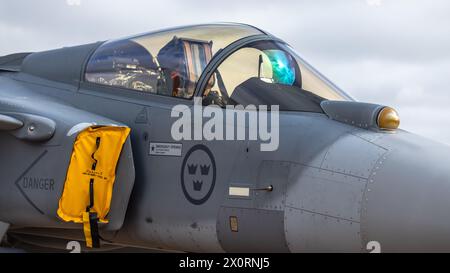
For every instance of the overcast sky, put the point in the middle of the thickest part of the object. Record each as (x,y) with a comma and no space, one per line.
(391,52)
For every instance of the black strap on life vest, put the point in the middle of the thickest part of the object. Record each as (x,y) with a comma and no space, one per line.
(91,234)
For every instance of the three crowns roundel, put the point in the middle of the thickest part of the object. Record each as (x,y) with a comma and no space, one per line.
(198,174)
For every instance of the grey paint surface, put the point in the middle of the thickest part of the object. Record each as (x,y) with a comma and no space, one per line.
(269,237)
(420,221)
(8,123)
(3,229)
(338,183)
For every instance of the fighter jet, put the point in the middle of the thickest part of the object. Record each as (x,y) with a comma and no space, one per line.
(137,142)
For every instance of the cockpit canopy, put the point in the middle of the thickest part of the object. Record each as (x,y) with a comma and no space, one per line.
(171,62)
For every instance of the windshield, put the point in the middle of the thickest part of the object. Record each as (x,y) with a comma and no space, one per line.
(167,62)
(269,73)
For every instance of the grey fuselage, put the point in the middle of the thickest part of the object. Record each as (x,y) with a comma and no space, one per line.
(336,186)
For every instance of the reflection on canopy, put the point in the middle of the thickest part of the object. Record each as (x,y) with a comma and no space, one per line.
(167,62)
(269,73)
(170,63)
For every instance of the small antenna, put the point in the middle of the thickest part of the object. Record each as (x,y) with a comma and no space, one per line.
(260,61)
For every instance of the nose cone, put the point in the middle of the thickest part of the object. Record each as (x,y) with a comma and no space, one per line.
(406,206)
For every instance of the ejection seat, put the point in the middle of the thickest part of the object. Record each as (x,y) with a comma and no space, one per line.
(182,61)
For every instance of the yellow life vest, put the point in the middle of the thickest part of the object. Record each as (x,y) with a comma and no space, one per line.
(88,188)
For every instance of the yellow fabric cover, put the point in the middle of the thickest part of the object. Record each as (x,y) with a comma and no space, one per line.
(75,197)
(87,229)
